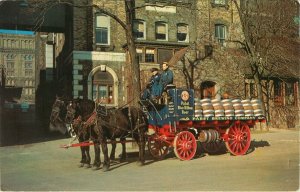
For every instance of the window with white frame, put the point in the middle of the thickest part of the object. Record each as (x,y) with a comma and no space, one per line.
(139,28)
(182,32)
(102,30)
(161,30)
(220,33)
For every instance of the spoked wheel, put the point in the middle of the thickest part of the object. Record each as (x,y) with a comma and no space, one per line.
(185,145)
(157,148)
(239,139)
(212,147)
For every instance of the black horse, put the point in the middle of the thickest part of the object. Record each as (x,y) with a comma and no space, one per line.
(70,116)
(81,118)
(121,123)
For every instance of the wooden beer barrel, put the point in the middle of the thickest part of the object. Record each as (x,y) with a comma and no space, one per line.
(219,113)
(247,107)
(217,104)
(239,113)
(227,104)
(257,107)
(208,113)
(256,104)
(247,104)
(238,107)
(229,113)
(249,112)
(207,136)
(206,104)
(198,107)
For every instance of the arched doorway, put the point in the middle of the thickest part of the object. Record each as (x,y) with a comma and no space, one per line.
(208,89)
(103,85)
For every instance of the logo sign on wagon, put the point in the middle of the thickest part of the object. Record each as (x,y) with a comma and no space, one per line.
(185,102)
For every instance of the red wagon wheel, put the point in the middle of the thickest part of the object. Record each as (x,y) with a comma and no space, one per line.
(185,145)
(239,139)
(157,148)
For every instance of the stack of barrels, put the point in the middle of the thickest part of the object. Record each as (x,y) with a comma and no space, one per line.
(227,107)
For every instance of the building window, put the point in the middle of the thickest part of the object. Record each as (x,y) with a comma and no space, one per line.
(250,89)
(182,32)
(10,68)
(28,69)
(161,31)
(278,97)
(102,29)
(103,88)
(285,93)
(289,93)
(149,56)
(139,53)
(220,33)
(139,29)
(219,2)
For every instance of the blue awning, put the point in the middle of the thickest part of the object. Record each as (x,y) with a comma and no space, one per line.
(16,32)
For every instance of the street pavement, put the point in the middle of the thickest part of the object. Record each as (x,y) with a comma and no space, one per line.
(272,164)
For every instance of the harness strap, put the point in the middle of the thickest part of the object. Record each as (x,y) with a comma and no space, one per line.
(91,120)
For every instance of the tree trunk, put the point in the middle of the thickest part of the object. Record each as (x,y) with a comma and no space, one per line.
(134,64)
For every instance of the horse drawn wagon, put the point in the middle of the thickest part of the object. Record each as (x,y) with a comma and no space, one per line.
(182,120)
(180,123)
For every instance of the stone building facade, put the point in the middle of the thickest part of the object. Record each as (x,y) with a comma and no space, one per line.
(209,30)
(99,56)
(17,57)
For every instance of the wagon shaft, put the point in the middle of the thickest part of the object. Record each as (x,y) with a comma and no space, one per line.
(83,144)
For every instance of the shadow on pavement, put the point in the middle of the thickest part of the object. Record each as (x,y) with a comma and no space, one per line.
(18,128)
(256,144)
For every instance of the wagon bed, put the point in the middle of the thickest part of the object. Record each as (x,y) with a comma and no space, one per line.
(182,130)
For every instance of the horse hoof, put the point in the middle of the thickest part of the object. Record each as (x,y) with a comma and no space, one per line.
(112,158)
(105,168)
(81,165)
(96,165)
(88,166)
(140,163)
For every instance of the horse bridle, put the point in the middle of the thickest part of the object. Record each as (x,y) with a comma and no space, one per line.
(70,114)
(56,111)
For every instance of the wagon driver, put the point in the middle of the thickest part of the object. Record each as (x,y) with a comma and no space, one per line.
(153,89)
(166,76)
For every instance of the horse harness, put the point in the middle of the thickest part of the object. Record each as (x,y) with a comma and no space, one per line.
(91,120)
(104,122)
